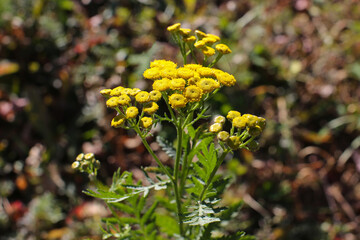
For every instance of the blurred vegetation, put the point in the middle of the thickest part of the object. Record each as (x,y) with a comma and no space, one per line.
(296,62)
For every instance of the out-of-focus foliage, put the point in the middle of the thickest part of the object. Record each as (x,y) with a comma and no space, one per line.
(296,62)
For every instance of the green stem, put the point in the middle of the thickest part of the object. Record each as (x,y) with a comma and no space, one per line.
(215,60)
(221,159)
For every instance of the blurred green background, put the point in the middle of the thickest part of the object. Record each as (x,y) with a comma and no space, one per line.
(296,63)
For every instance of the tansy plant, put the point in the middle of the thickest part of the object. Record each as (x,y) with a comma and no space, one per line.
(181,201)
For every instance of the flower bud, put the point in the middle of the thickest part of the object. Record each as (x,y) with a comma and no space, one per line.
(233,142)
(220,119)
(215,128)
(75,165)
(223,136)
(80,157)
(253,146)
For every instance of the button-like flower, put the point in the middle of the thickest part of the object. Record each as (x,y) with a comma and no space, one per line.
(222,48)
(117,91)
(155,95)
(124,100)
(161,85)
(112,102)
(177,101)
(220,119)
(132,112)
(105,92)
(208,51)
(117,121)
(215,128)
(150,108)
(193,93)
(233,114)
(207,84)
(173,28)
(152,73)
(225,78)
(177,84)
(146,122)
(239,122)
(185,73)
(223,136)
(142,97)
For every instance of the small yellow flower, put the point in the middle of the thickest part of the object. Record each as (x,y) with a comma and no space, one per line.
(207,84)
(213,36)
(173,28)
(117,91)
(185,32)
(223,136)
(190,39)
(152,73)
(193,93)
(155,95)
(168,73)
(162,64)
(126,91)
(192,66)
(200,34)
(220,119)
(124,100)
(233,114)
(206,72)
(251,120)
(177,84)
(161,85)
(75,165)
(177,100)
(117,121)
(142,97)
(233,142)
(112,102)
(200,44)
(132,112)
(215,128)
(222,48)
(208,51)
(146,122)
(239,122)
(185,73)
(89,156)
(105,92)
(209,40)
(226,79)
(80,157)
(150,108)
(134,91)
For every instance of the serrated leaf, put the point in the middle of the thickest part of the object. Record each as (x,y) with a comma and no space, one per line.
(201,172)
(191,131)
(148,213)
(166,147)
(123,207)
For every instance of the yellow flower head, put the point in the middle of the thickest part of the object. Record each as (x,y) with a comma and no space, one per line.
(185,32)
(117,91)
(251,120)
(190,39)
(209,40)
(233,142)
(155,95)
(106,92)
(208,84)
(226,79)
(194,80)
(208,51)
(142,97)
(223,136)
(150,108)
(177,84)
(117,121)
(255,131)
(233,114)
(134,91)
(215,128)
(126,91)
(112,102)
(177,100)
(152,73)
(146,122)
(200,34)
(162,64)
(222,48)
(220,119)
(124,100)
(132,112)
(161,85)
(193,93)
(192,66)
(185,73)
(200,44)
(173,28)
(206,72)
(168,73)
(89,156)
(239,122)
(213,36)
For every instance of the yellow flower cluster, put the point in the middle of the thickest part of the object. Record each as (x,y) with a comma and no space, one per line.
(202,41)
(185,84)
(244,129)
(128,102)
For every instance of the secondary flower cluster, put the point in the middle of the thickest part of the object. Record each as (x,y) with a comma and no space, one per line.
(128,101)
(86,163)
(244,129)
(186,84)
(202,41)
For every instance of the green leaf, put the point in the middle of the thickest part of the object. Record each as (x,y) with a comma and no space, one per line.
(191,131)
(167,224)
(123,207)
(149,213)
(166,147)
